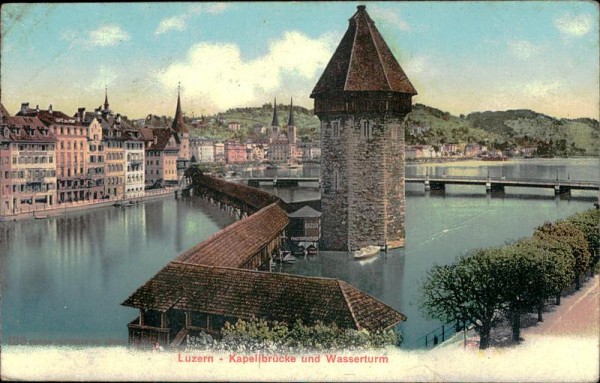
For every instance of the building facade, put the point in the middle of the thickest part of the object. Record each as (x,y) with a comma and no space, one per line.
(362,140)
(28,166)
(135,176)
(235,153)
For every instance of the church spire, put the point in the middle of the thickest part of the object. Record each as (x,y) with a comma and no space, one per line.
(178,122)
(105,98)
(291,119)
(275,119)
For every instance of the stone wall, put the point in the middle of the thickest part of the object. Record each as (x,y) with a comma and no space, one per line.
(368,207)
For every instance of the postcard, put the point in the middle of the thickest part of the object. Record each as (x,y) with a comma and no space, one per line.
(300,191)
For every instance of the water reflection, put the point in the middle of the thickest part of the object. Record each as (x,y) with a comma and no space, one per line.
(65,277)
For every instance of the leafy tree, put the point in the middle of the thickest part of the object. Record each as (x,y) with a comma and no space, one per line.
(469,290)
(570,235)
(589,223)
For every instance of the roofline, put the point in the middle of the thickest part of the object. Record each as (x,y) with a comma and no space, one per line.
(356,324)
(380,61)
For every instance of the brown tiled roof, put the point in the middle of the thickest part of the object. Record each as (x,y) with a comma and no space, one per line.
(273,296)
(50,118)
(252,196)
(237,243)
(41,132)
(162,139)
(363,62)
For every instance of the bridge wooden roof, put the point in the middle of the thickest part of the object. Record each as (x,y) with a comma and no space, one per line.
(253,197)
(237,243)
(274,296)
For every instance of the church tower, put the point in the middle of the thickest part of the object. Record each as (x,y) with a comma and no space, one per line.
(362,99)
(291,127)
(275,122)
(182,130)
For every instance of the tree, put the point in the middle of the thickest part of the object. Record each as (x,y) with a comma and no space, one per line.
(469,290)
(588,222)
(570,235)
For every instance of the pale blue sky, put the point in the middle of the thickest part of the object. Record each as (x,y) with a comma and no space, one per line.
(461,56)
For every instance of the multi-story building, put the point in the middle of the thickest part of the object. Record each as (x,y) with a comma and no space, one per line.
(362,140)
(281,151)
(219,152)
(73,182)
(202,150)
(134,152)
(309,151)
(162,152)
(95,160)
(28,166)
(235,153)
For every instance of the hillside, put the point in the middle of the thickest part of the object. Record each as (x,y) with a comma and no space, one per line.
(428,125)
(567,137)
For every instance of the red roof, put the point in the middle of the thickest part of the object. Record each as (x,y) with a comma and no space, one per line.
(273,296)
(363,62)
(237,243)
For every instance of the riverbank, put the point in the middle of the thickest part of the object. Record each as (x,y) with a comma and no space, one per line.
(74,207)
(577,316)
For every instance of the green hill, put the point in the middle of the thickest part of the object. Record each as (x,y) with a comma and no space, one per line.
(499,129)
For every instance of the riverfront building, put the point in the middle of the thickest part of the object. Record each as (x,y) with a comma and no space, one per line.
(362,99)
(74,184)
(28,167)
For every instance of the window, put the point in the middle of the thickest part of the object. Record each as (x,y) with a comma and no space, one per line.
(336,182)
(394,131)
(366,130)
(335,127)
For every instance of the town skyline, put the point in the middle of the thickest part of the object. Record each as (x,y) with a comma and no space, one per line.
(538,55)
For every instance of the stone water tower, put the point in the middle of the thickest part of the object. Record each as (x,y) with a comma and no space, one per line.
(362,99)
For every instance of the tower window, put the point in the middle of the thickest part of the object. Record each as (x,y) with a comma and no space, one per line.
(335,127)
(366,130)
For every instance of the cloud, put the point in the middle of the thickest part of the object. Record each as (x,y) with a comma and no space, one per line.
(106,76)
(389,16)
(577,26)
(540,89)
(108,35)
(216,75)
(522,49)
(179,22)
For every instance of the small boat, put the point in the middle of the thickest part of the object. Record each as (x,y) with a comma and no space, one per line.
(289,258)
(311,250)
(40,216)
(366,252)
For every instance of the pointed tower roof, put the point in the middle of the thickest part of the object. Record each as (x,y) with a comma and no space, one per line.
(106,98)
(275,118)
(291,120)
(363,62)
(178,123)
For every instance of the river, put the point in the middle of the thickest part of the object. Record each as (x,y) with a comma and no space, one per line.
(63,278)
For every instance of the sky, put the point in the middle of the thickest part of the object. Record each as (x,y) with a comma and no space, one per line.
(462,57)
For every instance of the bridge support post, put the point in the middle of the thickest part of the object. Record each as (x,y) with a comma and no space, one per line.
(562,190)
(494,188)
(427,185)
(437,186)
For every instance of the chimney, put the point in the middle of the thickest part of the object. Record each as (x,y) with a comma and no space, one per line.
(24,107)
(37,108)
(81,113)
(50,109)
(118,118)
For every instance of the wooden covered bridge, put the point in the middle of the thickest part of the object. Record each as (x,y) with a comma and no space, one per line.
(218,280)
(188,299)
